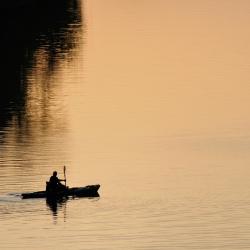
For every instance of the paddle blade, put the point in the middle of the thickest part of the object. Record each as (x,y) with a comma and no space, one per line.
(64,171)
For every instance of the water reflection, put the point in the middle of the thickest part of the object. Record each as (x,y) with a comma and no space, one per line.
(56,205)
(34,41)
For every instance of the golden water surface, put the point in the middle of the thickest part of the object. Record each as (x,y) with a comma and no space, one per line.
(150,99)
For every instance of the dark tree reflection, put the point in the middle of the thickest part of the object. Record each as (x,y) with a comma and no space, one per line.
(47,27)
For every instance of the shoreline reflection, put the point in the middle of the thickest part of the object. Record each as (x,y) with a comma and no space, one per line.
(34,41)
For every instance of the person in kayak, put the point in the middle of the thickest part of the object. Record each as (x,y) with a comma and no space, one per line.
(55,183)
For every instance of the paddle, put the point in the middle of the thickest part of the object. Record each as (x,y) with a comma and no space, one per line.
(64,171)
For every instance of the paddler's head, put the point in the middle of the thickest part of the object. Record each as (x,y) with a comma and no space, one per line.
(54,173)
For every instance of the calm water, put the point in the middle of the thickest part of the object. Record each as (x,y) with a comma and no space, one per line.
(150,99)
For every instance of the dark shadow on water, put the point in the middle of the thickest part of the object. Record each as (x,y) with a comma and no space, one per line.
(56,205)
(50,28)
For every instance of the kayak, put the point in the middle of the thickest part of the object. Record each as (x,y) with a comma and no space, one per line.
(87,191)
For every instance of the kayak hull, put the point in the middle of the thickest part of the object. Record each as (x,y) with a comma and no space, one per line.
(87,191)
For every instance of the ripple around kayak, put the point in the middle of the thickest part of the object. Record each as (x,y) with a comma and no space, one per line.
(87,191)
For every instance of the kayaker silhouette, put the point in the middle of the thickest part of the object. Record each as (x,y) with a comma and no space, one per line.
(54,183)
